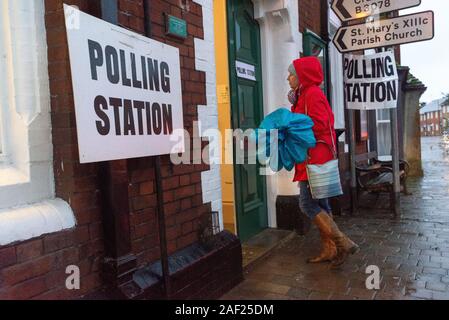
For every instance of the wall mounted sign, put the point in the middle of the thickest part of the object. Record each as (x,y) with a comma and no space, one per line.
(245,71)
(176,27)
(356,9)
(371,82)
(389,32)
(223,94)
(127,91)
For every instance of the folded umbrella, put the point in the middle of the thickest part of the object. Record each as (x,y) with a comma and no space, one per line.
(294,138)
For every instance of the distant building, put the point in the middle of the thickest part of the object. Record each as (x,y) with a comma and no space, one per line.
(434,118)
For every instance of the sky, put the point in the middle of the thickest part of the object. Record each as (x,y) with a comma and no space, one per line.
(429,60)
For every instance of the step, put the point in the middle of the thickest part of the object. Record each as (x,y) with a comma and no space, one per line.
(261,246)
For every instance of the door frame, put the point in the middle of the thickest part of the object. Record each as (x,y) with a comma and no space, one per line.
(234,112)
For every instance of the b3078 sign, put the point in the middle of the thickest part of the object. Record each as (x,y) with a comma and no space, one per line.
(356,9)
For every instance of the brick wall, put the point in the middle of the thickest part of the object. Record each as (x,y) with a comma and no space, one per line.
(36,268)
(310,16)
(182,189)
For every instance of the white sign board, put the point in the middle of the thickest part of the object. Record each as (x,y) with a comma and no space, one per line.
(382,33)
(371,82)
(356,9)
(127,91)
(245,71)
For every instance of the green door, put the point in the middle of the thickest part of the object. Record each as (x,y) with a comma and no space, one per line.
(247,113)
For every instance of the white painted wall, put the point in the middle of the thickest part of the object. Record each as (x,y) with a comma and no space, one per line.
(281,44)
(208,115)
(27,205)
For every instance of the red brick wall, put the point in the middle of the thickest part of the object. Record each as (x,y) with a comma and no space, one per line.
(310,16)
(182,184)
(36,268)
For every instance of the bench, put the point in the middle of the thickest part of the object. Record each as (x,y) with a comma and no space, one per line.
(376,176)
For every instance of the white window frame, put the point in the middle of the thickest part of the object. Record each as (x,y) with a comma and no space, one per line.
(28,207)
(382,121)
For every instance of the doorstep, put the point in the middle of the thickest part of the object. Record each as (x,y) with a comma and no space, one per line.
(262,245)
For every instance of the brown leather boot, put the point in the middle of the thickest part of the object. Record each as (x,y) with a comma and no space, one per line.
(345,246)
(328,250)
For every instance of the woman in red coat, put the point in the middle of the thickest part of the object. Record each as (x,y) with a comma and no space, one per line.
(306,96)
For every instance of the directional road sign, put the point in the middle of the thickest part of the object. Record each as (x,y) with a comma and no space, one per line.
(356,9)
(383,33)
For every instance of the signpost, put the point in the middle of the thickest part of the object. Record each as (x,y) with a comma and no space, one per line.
(369,82)
(389,32)
(356,9)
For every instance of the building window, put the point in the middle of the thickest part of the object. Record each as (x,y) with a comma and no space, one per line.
(315,46)
(28,207)
(383,132)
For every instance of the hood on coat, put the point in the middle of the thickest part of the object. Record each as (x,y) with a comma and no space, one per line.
(309,71)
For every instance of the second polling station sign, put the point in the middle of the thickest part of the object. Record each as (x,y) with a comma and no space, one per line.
(127,91)
(371,82)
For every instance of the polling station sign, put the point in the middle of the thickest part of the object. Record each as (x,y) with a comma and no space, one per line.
(127,91)
(371,82)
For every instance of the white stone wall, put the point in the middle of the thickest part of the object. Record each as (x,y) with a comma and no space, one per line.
(27,205)
(208,115)
(281,43)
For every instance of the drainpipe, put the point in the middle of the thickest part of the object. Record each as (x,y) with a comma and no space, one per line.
(160,198)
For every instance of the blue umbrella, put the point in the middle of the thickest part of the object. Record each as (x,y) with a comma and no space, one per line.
(294,138)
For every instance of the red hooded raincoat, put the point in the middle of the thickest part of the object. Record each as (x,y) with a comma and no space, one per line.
(310,75)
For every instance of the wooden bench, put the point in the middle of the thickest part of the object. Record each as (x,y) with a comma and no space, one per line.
(376,176)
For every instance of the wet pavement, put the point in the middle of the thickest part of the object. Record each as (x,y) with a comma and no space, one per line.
(412,253)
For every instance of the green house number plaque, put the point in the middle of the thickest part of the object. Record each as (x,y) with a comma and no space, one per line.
(176,27)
